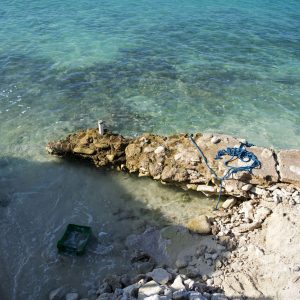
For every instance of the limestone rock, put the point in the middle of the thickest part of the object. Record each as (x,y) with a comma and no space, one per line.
(199,225)
(178,284)
(230,202)
(160,275)
(247,187)
(289,166)
(249,227)
(215,140)
(261,213)
(83,150)
(149,289)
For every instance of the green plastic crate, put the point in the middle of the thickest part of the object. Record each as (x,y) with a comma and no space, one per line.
(75,239)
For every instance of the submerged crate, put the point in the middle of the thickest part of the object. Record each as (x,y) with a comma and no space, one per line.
(75,239)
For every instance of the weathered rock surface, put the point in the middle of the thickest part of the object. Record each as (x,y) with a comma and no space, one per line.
(289,166)
(174,159)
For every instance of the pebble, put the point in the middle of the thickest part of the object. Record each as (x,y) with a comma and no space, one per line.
(177,284)
(277,199)
(247,187)
(199,225)
(210,282)
(159,149)
(160,275)
(149,289)
(215,140)
(230,202)
(292,202)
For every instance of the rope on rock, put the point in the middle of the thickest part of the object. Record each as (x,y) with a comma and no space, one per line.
(240,153)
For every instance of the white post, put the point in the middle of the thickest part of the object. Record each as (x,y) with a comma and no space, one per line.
(101,127)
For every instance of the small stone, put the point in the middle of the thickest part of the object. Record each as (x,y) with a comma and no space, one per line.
(210,282)
(189,283)
(199,225)
(57,294)
(149,289)
(249,227)
(72,296)
(292,202)
(259,191)
(247,209)
(83,150)
(110,157)
(277,199)
(160,275)
(215,140)
(247,187)
(230,202)
(159,149)
(261,213)
(177,284)
(218,264)
(180,295)
(206,188)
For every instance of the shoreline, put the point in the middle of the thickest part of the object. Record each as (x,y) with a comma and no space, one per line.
(241,251)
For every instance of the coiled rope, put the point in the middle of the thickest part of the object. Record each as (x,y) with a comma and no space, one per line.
(240,153)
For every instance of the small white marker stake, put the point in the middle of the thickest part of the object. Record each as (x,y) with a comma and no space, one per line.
(101,127)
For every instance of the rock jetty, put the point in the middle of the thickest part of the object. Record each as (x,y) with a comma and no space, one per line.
(249,249)
(175,160)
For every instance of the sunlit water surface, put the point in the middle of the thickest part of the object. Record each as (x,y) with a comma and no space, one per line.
(158,66)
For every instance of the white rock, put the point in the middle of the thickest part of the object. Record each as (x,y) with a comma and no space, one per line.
(159,149)
(177,284)
(72,296)
(261,213)
(247,187)
(210,282)
(215,140)
(160,275)
(259,191)
(206,188)
(189,283)
(149,289)
(228,203)
(297,199)
(247,209)
(277,199)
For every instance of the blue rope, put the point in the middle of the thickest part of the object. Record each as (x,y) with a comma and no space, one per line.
(240,153)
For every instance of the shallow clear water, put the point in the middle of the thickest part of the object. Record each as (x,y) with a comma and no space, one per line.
(159,66)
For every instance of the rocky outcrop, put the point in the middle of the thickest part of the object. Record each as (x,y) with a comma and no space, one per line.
(174,159)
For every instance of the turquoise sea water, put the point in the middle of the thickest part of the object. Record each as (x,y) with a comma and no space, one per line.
(159,66)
